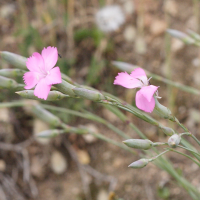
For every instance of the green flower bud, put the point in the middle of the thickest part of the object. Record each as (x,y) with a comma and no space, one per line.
(14,59)
(168,131)
(12,73)
(89,94)
(50,133)
(163,111)
(194,35)
(138,143)
(52,96)
(139,163)
(174,140)
(8,83)
(182,36)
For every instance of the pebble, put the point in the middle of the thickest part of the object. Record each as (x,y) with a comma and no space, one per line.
(129,7)
(88,137)
(2,165)
(129,33)
(196,62)
(4,115)
(58,163)
(171,7)
(7,10)
(140,45)
(83,157)
(176,45)
(102,195)
(158,27)
(37,168)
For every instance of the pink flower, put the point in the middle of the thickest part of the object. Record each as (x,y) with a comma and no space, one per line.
(137,79)
(42,74)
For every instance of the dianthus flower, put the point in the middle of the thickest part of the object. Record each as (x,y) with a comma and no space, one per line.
(137,79)
(42,74)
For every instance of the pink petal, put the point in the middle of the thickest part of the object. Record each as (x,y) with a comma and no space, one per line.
(139,73)
(50,55)
(31,79)
(35,63)
(42,89)
(143,104)
(125,80)
(54,76)
(148,91)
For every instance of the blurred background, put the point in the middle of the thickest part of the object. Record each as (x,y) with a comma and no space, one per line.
(87,51)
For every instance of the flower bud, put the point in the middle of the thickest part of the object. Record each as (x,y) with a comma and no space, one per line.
(52,96)
(46,116)
(139,163)
(194,35)
(89,94)
(174,140)
(168,131)
(7,82)
(12,73)
(138,143)
(182,36)
(163,111)
(50,133)
(14,59)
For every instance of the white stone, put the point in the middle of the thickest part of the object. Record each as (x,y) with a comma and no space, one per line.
(4,115)
(177,45)
(140,45)
(7,10)
(196,62)
(102,195)
(83,157)
(129,33)
(129,7)
(58,163)
(171,7)
(158,27)
(2,165)
(88,137)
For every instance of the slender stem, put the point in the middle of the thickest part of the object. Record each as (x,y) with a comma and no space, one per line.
(155,144)
(195,139)
(189,150)
(155,157)
(12,104)
(89,116)
(185,133)
(185,156)
(97,135)
(181,125)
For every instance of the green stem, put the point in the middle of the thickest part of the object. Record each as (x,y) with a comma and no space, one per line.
(97,135)
(155,157)
(195,139)
(189,150)
(89,116)
(185,156)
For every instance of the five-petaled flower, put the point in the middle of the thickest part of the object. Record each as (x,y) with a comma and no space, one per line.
(137,79)
(42,74)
